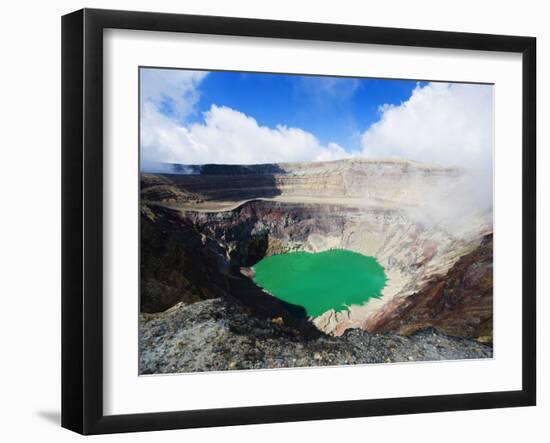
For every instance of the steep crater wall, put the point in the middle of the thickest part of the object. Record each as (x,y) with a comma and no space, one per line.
(411,254)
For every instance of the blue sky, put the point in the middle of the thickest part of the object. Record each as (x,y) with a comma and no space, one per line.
(197,117)
(334,109)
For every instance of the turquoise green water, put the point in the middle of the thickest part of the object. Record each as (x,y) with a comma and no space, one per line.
(321,281)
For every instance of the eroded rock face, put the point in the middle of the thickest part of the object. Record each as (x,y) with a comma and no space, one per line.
(382,181)
(177,262)
(459,303)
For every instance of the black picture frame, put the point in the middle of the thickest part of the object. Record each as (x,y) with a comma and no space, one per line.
(82,218)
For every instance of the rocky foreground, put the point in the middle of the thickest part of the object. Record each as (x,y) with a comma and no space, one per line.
(218,334)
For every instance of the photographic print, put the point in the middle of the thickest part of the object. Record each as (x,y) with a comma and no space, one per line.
(291,221)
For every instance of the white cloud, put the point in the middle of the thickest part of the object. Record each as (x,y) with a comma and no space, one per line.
(449,124)
(175,87)
(444,124)
(227,136)
(441,123)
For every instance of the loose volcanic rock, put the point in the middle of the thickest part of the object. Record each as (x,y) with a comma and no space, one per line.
(219,334)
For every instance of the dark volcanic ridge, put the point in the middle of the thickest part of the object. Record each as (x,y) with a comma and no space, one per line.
(217,334)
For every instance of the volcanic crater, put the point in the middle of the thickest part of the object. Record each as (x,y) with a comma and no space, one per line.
(204,227)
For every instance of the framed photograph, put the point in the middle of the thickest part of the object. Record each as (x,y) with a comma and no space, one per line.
(268,221)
